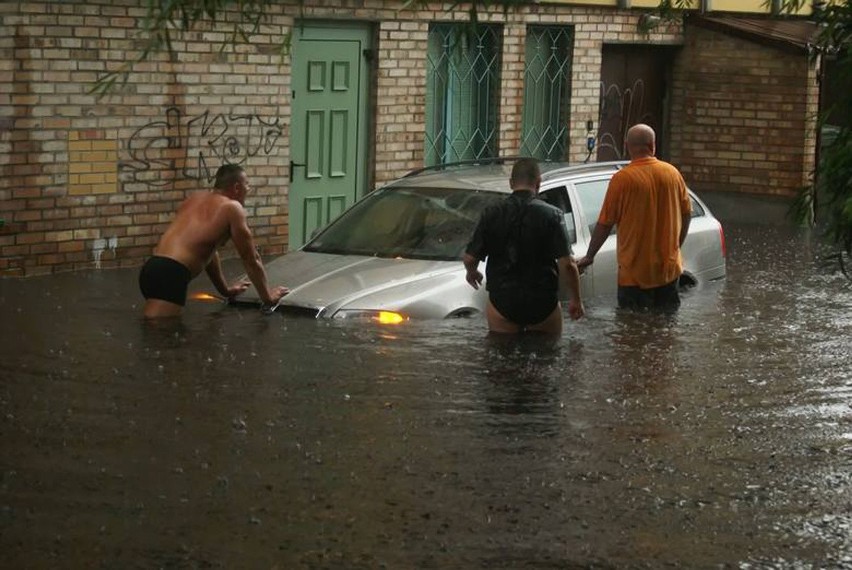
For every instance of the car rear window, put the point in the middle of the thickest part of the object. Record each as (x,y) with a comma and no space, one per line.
(592,193)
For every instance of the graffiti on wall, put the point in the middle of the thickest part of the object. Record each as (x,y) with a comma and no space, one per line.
(620,108)
(179,146)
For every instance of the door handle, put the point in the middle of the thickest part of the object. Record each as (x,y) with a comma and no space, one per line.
(294,165)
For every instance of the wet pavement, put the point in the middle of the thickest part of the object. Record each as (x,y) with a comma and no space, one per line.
(721,437)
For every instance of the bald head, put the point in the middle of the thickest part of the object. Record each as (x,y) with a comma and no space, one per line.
(641,141)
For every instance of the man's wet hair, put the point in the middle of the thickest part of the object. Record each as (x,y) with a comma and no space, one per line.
(525,171)
(227,175)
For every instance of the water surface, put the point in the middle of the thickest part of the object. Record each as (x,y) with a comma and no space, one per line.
(719,437)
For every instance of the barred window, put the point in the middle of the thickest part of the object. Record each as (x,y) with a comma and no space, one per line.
(462,90)
(547,92)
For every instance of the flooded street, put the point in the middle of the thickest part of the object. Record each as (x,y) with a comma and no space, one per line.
(719,437)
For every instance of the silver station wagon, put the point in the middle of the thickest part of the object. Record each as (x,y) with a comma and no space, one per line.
(396,253)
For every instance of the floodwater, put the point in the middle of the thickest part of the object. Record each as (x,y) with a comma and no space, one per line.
(721,437)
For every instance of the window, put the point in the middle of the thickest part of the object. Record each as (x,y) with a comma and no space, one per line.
(697,210)
(559,197)
(547,90)
(462,79)
(592,193)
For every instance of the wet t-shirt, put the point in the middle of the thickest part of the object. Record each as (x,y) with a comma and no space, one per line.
(647,199)
(521,237)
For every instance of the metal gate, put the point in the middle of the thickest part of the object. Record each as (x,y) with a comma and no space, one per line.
(462,90)
(547,92)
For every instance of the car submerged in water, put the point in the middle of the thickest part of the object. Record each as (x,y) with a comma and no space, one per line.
(396,253)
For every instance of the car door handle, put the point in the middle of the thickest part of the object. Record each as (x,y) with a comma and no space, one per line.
(294,165)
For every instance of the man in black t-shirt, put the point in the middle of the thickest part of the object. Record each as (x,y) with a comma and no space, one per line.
(526,243)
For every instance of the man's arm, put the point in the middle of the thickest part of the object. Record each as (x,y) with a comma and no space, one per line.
(599,235)
(244,244)
(569,277)
(474,276)
(685,220)
(217,276)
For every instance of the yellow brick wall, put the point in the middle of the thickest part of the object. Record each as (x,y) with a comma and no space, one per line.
(92,164)
(403,37)
(77,172)
(748,124)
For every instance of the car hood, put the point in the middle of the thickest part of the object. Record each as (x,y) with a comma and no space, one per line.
(328,282)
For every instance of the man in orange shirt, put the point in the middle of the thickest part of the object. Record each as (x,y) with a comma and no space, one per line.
(648,201)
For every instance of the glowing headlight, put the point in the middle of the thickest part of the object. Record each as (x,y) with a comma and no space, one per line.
(381,317)
(205,297)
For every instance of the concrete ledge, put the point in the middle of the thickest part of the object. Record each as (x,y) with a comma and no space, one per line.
(749,208)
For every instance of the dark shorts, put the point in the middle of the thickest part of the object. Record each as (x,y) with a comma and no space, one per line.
(165,279)
(664,298)
(523,307)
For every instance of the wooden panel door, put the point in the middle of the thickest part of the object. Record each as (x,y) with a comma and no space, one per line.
(328,131)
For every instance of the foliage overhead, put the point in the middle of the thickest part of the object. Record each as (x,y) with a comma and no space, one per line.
(834,175)
(832,182)
(166,19)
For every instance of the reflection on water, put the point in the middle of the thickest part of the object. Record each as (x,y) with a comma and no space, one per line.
(717,436)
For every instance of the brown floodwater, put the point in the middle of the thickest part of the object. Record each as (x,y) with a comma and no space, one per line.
(720,437)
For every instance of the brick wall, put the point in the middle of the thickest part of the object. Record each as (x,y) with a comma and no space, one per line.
(92,183)
(747,115)
(88,183)
(401,81)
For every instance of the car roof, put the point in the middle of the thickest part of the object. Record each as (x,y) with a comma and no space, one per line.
(493,174)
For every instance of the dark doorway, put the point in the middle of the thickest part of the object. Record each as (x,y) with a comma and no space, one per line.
(634,89)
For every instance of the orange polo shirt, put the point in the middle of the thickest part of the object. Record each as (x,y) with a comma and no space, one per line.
(646,199)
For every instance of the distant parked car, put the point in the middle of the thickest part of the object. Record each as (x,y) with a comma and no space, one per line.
(395,254)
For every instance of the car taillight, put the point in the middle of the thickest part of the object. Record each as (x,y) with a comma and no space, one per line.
(722,241)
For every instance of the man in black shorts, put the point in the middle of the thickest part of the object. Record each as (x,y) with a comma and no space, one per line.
(526,243)
(204,222)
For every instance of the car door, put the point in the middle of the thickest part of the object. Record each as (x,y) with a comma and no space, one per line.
(559,196)
(589,193)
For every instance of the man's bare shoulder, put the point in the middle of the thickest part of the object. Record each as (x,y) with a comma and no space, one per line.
(211,203)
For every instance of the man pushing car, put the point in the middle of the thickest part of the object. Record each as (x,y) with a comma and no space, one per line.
(204,221)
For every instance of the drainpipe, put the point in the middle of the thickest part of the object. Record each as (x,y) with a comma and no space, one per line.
(775,7)
(706,6)
(624,4)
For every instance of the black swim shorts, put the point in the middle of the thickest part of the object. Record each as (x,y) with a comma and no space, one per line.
(165,279)
(665,298)
(523,307)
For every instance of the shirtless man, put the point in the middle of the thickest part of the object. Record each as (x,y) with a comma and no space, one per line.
(204,221)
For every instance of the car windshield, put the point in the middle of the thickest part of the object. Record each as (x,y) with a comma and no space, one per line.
(418,223)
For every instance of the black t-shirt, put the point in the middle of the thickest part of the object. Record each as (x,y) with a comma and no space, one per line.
(522,237)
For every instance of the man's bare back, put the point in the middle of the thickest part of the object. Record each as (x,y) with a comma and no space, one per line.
(204,221)
(200,226)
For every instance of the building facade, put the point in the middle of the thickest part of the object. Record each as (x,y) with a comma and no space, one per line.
(366,92)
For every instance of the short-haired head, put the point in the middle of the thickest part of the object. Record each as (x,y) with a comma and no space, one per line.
(227,176)
(526,175)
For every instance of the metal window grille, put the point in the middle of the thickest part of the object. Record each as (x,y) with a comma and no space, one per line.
(462,89)
(547,92)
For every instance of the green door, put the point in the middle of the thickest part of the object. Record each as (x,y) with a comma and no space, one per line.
(328,131)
